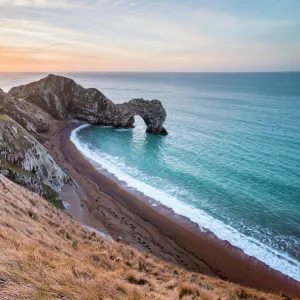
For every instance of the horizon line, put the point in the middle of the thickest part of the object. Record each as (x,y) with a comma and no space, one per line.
(191,72)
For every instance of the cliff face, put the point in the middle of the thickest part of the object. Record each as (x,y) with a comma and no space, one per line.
(63,98)
(31,117)
(24,160)
(29,110)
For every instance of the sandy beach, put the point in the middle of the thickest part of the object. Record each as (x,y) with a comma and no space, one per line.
(101,203)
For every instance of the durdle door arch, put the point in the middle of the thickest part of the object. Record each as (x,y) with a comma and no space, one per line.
(63,98)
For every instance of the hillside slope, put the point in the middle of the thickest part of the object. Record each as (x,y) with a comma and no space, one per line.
(47,255)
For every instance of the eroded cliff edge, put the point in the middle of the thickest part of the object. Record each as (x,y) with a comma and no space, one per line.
(25,161)
(63,98)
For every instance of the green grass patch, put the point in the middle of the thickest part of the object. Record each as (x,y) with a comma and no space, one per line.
(15,169)
(4,117)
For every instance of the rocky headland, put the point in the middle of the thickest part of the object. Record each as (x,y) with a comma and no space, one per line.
(28,114)
(63,98)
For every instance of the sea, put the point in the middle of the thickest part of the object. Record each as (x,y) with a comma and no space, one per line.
(231,160)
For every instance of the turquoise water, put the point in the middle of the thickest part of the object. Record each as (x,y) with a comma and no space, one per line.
(231,161)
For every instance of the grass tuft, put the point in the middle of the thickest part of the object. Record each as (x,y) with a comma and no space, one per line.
(188,290)
(133,280)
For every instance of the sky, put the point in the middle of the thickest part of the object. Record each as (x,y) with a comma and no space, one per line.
(149,35)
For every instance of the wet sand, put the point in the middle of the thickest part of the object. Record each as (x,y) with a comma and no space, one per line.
(100,202)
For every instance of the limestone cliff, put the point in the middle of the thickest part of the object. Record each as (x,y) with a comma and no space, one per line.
(63,98)
(25,161)
(30,116)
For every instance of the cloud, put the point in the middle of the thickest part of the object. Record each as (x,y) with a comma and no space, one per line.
(42,3)
(144,35)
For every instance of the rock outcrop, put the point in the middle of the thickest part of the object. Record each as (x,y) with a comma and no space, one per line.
(25,161)
(63,98)
(31,117)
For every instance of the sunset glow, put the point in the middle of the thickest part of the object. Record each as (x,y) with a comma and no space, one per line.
(124,35)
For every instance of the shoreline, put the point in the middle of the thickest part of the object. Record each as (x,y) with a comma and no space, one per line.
(129,218)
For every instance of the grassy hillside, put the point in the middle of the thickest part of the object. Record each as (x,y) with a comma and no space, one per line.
(47,255)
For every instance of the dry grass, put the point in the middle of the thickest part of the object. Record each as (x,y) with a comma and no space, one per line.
(47,255)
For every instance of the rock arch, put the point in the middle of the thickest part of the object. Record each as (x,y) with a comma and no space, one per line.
(63,98)
(152,112)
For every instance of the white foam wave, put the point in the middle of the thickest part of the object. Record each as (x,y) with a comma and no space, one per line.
(123,129)
(252,247)
(66,204)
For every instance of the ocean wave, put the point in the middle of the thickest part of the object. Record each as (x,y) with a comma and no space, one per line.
(252,247)
(123,129)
